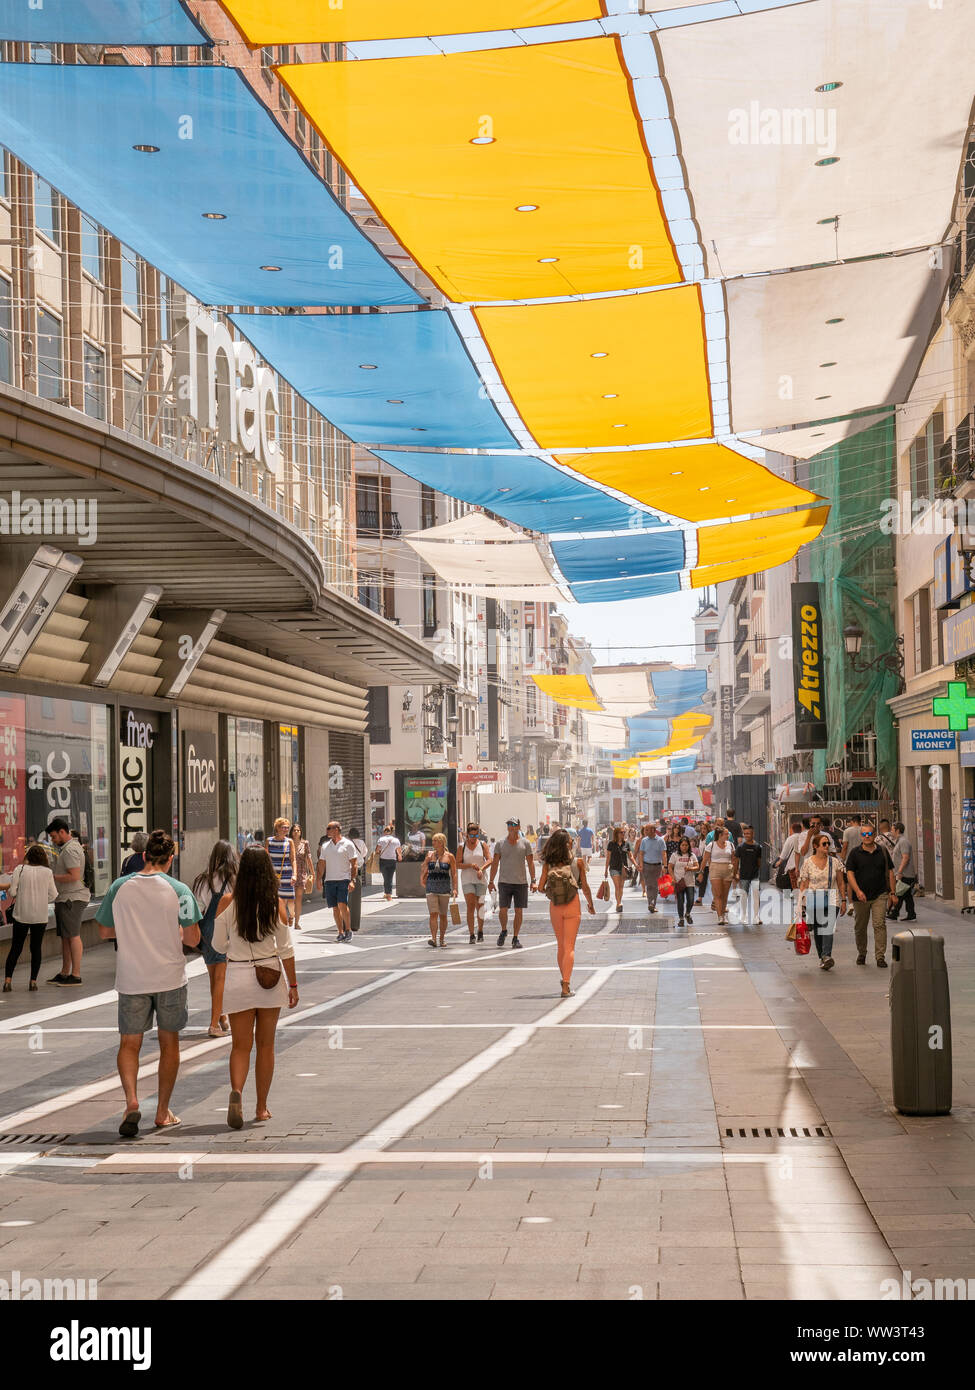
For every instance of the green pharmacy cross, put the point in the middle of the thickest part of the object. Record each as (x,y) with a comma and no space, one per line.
(957,705)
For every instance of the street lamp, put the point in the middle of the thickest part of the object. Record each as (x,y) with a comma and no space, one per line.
(892,661)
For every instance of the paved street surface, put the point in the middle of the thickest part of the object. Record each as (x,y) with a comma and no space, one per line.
(708,1116)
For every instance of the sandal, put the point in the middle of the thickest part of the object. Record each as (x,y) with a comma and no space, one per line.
(433,944)
(566,989)
(215,1032)
(129,1127)
(170,1122)
(224,1023)
(235,1110)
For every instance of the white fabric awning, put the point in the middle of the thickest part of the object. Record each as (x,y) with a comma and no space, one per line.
(475,526)
(623,693)
(803,444)
(605,731)
(753,128)
(782,343)
(513,565)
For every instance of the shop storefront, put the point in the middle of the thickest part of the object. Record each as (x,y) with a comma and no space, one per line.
(56,760)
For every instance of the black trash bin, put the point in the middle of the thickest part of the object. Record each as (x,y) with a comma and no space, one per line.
(920,1025)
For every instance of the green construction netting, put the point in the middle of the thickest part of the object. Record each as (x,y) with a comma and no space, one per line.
(853,561)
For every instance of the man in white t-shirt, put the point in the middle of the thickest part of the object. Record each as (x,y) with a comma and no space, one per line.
(338,862)
(151,917)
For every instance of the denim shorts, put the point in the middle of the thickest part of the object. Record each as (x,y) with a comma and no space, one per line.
(336,891)
(135,1011)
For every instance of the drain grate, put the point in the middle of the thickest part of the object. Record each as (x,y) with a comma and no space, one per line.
(12,1140)
(778,1132)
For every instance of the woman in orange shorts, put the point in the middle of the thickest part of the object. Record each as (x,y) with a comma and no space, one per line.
(563,880)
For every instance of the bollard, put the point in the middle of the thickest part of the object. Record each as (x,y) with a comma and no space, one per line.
(920,1025)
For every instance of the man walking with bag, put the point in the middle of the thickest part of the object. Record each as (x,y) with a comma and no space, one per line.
(650,855)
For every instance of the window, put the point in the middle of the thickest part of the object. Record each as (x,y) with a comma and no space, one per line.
(6,332)
(922,631)
(267,58)
(428,507)
(429,605)
(711,639)
(389,596)
(132,395)
(49,385)
(924,458)
(130,280)
(378,706)
(163,308)
(369,594)
(94,360)
(181,53)
(43,52)
(4,176)
(91,248)
(315,146)
(47,211)
(284,96)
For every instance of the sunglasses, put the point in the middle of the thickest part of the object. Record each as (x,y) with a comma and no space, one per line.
(867,834)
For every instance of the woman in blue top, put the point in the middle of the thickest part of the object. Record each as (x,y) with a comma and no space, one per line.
(439,877)
(281,848)
(217,879)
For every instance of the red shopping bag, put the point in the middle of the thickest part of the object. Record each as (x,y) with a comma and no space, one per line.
(665,886)
(602,892)
(802,938)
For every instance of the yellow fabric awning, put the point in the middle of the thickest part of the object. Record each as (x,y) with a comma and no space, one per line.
(742,547)
(446,148)
(630,370)
(573,691)
(323,21)
(701,482)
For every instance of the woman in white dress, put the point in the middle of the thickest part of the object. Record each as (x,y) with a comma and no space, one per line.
(822,883)
(252,930)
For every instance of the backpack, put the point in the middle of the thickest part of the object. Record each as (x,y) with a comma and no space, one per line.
(560,885)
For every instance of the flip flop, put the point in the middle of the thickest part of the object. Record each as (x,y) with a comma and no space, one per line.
(129,1127)
(235,1110)
(170,1122)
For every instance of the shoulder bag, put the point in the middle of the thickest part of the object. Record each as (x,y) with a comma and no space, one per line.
(267,976)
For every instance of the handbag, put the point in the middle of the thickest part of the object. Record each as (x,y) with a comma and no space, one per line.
(802,940)
(308,882)
(665,886)
(900,888)
(267,976)
(602,892)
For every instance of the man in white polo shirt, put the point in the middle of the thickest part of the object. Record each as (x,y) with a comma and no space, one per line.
(151,917)
(338,863)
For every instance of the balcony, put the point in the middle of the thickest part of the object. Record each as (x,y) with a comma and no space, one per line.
(375,524)
(741,637)
(754,703)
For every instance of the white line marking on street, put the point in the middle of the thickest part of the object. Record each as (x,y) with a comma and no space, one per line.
(225,1272)
(344,1162)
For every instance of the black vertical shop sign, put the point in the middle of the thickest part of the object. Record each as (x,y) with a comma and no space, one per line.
(809,677)
(199,780)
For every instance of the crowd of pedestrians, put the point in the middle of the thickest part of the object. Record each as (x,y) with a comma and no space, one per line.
(243,908)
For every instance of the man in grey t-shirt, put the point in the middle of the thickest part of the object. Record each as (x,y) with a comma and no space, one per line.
(513,857)
(73,895)
(851,836)
(905,871)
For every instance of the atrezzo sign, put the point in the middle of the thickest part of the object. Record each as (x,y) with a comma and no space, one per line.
(224,388)
(810,686)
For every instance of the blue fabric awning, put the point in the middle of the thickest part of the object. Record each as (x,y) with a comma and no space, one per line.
(150,22)
(684,762)
(647,732)
(678,691)
(609,591)
(610,557)
(525,490)
(384,378)
(219,151)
